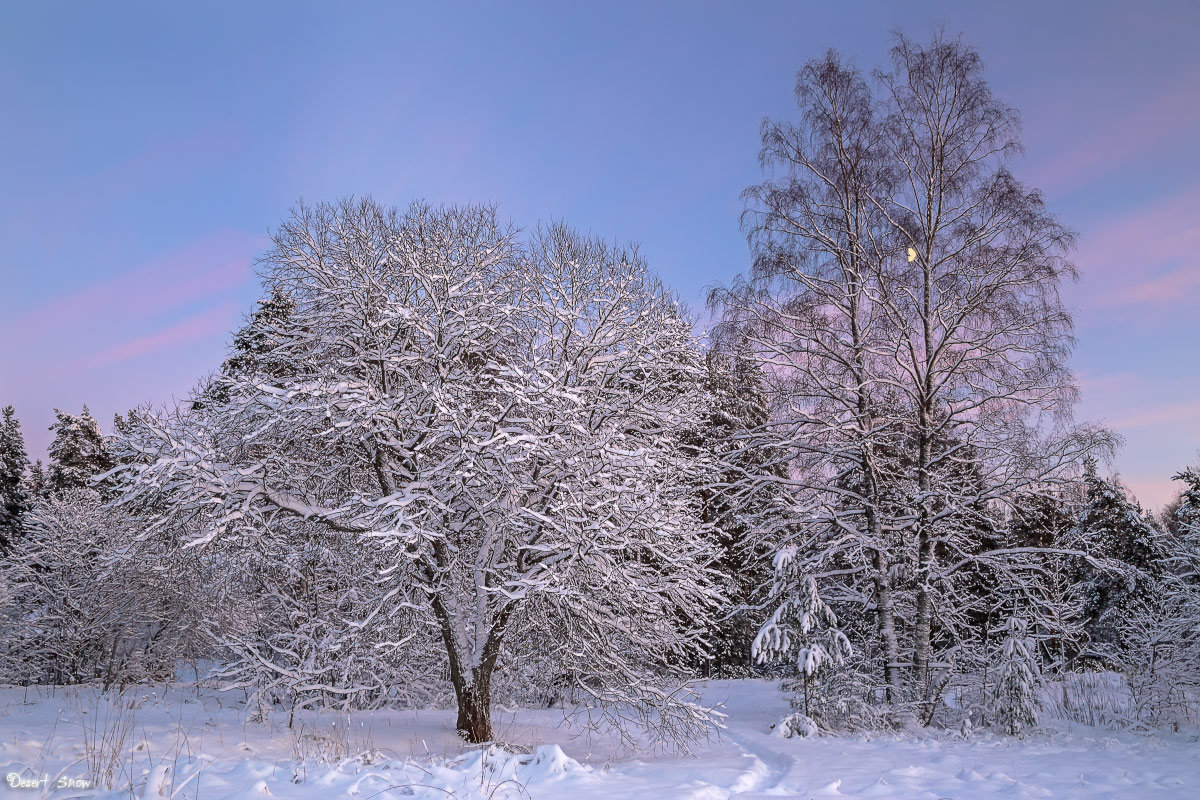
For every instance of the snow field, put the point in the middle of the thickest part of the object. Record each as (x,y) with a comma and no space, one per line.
(177,744)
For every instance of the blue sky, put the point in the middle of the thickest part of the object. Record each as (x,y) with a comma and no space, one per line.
(147,149)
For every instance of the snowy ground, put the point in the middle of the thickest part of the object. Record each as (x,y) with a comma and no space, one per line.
(175,744)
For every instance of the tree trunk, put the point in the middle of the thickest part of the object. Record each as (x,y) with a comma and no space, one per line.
(922,629)
(475,712)
(886,611)
(473,690)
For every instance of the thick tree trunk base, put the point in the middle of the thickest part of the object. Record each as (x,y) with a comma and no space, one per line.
(474,718)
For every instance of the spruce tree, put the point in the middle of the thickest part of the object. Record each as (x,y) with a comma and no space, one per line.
(257,347)
(78,453)
(35,481)
(261,337)
(732,434)
(14,499)
(1114,528)
(1016,699)
(1186,513)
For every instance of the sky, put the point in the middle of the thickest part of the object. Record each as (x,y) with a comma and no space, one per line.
(147,150)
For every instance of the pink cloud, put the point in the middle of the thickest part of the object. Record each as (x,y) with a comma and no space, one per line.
(1174,286)
(1152,492)
(1125,133)
(1172,413)
(216,264)
(217,320)
(1102,383)
(1148,257)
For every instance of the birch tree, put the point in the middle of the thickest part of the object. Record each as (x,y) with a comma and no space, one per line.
(903,301)
(986,338)
(809,314)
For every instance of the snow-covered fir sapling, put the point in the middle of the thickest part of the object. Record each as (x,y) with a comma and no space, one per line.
(802,633)
(1016,701)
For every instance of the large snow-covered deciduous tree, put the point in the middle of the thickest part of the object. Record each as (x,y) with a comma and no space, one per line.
(985,336)
(903,302)
(493,417)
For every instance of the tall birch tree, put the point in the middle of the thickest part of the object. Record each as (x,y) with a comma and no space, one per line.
(904,304)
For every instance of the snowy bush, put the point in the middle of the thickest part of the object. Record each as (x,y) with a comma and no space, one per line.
(85,603)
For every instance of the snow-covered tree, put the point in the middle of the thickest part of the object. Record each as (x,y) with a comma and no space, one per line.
(1160,628)
(1049,521)
(254,345)
(903,303)
(1113,527)
(78,453)
(984,336)
(804,628)
(495,418)
(35,481)
(807,315)
(728,435)
(1187,512)
(1017,697)
(14,495)
(79,608)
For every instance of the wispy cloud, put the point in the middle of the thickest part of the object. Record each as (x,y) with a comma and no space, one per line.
(1175,286)
(1149,257)
(211,322)
(1097,383)
(214,265)
(1165,414)
(1122,137)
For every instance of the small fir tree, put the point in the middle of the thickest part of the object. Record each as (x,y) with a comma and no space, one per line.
(1016,702)
(803,633)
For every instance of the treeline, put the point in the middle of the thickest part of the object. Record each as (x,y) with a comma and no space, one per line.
(447,460)
(80,600)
